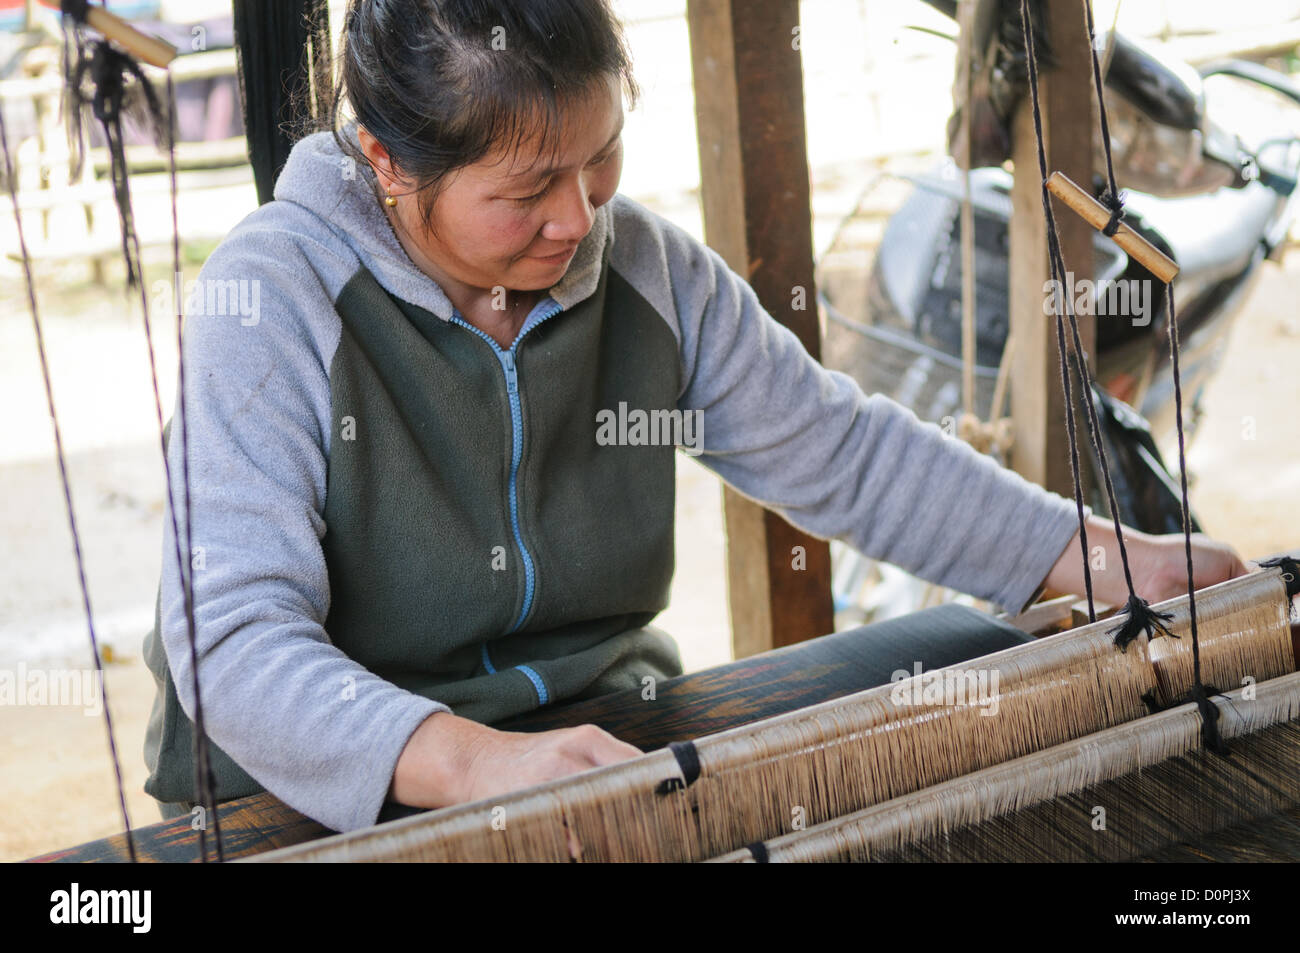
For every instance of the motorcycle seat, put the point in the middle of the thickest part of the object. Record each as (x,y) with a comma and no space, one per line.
(1212,236)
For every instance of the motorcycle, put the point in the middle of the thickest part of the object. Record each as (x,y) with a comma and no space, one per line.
(1218,198)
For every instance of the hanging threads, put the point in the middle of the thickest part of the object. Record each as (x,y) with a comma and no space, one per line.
(61,456)
(99,77)
(1138,616)
(1059,277)
(1209,713)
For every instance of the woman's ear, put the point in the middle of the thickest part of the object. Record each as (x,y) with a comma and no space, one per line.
(379,160)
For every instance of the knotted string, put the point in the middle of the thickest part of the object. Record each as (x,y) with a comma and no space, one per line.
(109,74)
(1112,198)
(1209,713)
(1138,616)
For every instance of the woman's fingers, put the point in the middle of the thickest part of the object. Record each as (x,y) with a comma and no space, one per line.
(604,748)
(511,761)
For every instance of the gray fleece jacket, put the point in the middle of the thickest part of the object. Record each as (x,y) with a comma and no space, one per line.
(394,516)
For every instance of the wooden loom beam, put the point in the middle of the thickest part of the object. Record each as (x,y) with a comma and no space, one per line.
(754,175)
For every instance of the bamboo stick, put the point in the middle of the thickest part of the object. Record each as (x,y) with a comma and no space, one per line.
(1097,215)
(147,49)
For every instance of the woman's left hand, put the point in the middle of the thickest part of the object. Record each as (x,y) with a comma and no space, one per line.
(1158,564)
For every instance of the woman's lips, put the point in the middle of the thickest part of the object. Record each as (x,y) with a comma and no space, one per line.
(557,259)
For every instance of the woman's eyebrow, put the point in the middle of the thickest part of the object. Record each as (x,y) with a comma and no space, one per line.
(536,175)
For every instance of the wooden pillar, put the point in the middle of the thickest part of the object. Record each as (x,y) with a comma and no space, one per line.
(748,79)
(1041,452)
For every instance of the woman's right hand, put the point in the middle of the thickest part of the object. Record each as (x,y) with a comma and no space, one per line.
(451,760)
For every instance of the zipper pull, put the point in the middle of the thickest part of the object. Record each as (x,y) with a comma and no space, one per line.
(512,376)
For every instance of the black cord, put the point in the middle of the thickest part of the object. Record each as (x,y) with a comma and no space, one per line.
(1138,615)
(12,183)
(108,71)
(201,755)
(1058,275)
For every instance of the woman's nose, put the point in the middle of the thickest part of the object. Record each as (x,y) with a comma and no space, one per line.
(573,215)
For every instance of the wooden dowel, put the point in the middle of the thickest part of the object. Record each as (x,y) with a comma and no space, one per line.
(147,49)
(1097,215)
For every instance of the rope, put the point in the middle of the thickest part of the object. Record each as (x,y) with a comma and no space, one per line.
(11,181)
(202,758)
(1059,276)
(1138,615)
(1112,198)
(109,72)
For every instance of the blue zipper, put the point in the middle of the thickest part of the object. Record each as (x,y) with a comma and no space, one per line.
(547,308)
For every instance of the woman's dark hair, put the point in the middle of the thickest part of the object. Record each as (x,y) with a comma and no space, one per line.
(440,83)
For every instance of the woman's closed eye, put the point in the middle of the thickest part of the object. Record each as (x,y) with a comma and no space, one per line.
(530,199)
(538,196)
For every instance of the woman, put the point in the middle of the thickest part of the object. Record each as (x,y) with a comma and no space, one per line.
(406,525)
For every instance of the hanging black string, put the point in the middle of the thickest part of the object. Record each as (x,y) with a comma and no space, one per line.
(1138,616)
(202,757)
(101,77)
(1112,198)
(1209,713)
(1059,278)
(12,183)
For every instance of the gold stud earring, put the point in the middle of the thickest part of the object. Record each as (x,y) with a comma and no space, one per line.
(389,200)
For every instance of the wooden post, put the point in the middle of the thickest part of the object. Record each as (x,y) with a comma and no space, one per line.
(1041,452)
(757,215)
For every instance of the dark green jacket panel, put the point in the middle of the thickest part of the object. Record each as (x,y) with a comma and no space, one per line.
(418,502)
(416,498)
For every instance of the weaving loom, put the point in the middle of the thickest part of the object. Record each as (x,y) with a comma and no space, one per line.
(864,771)
(1074,722)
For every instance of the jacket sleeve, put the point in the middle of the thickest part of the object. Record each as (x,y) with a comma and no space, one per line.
(841,464)
(314,727)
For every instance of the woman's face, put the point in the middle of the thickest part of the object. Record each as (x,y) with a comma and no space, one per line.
(514,220)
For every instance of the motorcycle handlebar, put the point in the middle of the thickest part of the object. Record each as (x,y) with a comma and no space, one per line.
(1255,73)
